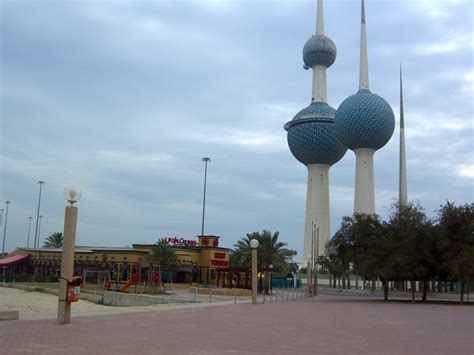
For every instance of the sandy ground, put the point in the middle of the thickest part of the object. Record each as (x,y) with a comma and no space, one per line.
(38,305)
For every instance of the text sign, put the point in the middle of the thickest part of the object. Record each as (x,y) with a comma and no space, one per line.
(179,242)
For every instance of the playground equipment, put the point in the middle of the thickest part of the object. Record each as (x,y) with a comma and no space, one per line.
(134,273)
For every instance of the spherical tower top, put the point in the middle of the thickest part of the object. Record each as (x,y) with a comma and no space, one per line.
(319,50)
(311,135)
(364,120)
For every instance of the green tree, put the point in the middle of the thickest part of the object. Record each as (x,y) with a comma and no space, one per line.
(414,246)
(55,240)
(362,243)
(270,251)
(457,243)
(163,255)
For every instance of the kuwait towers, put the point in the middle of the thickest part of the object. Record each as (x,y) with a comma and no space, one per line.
(403,186)
(364,123)
(312,139)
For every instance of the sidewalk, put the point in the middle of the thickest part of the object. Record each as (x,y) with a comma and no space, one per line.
(327,324)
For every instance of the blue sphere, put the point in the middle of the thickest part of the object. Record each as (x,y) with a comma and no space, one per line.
(311,135)
(364,120)
(319,50)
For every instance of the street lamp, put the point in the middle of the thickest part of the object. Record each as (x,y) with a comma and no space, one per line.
(270,280)
(205,160)
(39,231)
(309,275)
(29,229)
(316,257)
(41,183)
(1,216)
(5,229)
(72,194)
(254,245)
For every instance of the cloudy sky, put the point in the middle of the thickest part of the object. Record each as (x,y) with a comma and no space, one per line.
(126,97)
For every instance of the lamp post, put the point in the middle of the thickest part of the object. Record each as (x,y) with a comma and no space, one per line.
(254,245)
(5,229)
(29,229)
(205,160)
(41,183)
(270,280)
(316,257)
(39,232)
(309,276)
(72,194)
(1,216)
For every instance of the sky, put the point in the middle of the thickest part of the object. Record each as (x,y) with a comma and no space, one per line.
(125,98)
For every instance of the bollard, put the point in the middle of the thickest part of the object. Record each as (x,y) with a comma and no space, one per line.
(195,294)
(263,296)
(270,296)
(235,297)
(210,295)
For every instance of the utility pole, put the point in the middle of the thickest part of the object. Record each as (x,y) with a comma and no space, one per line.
(205,160)
(29,229)
(41,183)
(5,229)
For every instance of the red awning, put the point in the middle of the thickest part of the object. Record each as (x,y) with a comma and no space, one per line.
(12,260)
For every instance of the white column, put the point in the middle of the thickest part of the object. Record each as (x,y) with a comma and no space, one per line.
(403,186)
(319,84)
(317,208)
(364,200)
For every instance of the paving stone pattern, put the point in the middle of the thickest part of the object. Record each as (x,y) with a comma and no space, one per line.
(327,324)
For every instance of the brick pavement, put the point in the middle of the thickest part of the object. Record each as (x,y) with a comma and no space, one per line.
(328,324)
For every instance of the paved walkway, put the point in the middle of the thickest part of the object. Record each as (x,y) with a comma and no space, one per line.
(328,324)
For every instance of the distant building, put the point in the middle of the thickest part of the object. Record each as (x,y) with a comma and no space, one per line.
(201,261)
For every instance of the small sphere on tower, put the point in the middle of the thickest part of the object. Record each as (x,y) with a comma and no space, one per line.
(319,50)
(364,120)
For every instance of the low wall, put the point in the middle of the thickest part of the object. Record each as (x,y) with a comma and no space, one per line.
(130,299)
(109,298)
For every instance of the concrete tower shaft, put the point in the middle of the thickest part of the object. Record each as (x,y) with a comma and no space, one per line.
(364,123)
(403,185)
(312,140)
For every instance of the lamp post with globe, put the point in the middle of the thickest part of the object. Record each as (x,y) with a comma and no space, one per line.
(254,245)
(72,194)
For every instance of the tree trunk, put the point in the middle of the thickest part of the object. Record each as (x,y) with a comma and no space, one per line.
(413,288)
(349,280)
(385,290)
(461,292)
(425,289)
(357,282)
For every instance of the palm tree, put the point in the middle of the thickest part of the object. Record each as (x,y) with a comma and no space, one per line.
(55,240)
(270,251)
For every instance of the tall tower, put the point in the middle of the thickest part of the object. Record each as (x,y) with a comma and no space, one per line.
(312,140)
(402,184)
(364,123)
